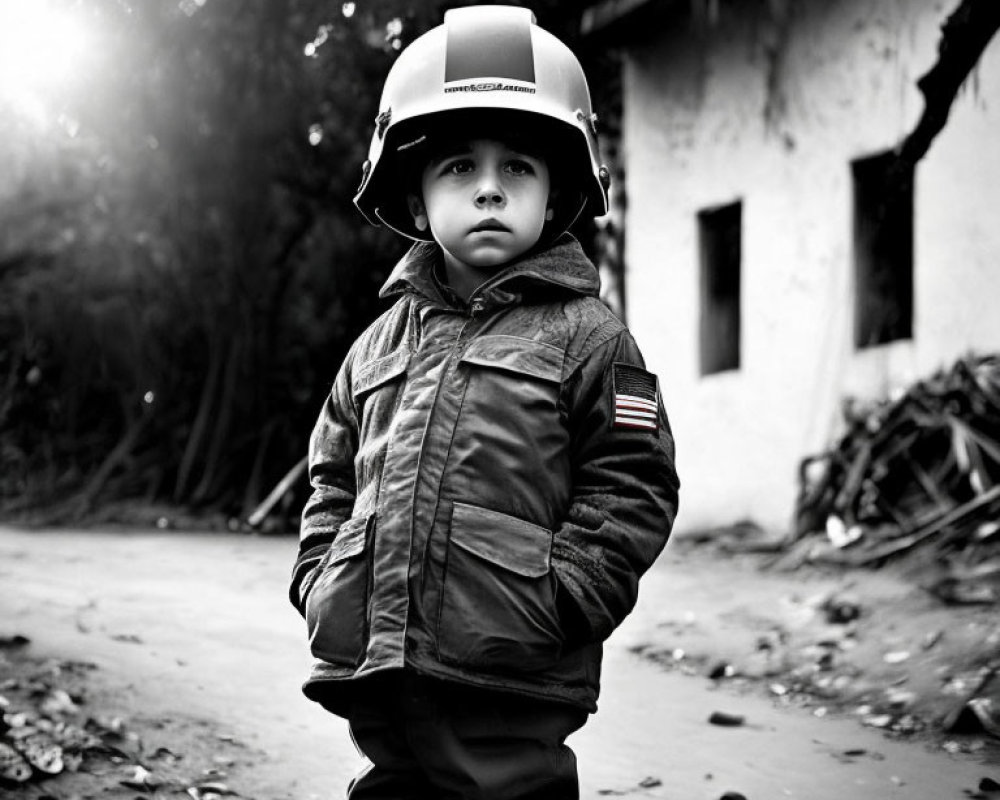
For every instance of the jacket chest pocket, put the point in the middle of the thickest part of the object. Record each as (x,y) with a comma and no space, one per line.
(376,387)
(511,428)
(337,604)
(498,609)
(508,374)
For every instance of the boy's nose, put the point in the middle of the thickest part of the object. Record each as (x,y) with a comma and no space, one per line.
(489,197)
(489,191)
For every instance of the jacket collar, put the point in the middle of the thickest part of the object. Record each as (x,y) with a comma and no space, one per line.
(562,266)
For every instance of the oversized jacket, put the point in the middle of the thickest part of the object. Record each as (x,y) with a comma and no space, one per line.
(482,508)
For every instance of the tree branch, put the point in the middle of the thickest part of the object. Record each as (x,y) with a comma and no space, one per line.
(964,37)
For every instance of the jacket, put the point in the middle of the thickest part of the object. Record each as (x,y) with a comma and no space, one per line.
(489,483)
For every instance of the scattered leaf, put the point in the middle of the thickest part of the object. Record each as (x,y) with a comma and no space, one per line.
(13,767)
(141,779)
(40,751)
(17,720)
(72,761)
(58,702)
(896,657)
(166,754)
(211,791)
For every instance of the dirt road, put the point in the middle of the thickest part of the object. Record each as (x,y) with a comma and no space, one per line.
(193,639)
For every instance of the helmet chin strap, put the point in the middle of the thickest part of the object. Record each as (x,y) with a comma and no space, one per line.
(552,232)
(416,235)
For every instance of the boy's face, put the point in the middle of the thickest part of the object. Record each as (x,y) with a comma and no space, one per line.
(485,202)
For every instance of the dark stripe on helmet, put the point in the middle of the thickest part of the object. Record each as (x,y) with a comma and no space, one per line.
(502,50)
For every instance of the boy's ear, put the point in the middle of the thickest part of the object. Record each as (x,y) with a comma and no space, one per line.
(550,206)
(417,211)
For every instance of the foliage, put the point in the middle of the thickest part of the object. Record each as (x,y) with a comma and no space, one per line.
(181,265)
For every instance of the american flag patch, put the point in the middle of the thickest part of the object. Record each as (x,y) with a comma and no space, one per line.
(636,405)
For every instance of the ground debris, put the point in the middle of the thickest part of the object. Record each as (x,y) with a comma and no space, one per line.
(841,609)
(211,791)
(976,585)
(50,736)
(725,719)
(851,755)
(921,470)
(649,782)
(13,767)
(988,789)
(976,715)
(140,778)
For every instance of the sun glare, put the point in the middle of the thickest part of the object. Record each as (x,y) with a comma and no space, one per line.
(43,47)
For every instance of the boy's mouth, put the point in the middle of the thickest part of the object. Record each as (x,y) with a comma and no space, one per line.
(490,225)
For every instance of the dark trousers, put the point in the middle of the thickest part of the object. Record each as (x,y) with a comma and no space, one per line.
(430,740)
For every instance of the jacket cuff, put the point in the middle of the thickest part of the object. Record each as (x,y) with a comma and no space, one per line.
(573,621)
(304,574)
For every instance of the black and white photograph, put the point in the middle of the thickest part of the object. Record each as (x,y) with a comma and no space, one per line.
(544,400)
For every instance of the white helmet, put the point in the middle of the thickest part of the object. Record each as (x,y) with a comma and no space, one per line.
(485,61)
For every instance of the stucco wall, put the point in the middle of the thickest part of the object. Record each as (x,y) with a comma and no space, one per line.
(696,135)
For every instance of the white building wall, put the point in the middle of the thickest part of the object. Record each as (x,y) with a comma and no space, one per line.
(695,137)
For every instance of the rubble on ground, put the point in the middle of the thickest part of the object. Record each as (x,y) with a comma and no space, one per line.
(917,472)
(49,738)
(870,645)
(915,482)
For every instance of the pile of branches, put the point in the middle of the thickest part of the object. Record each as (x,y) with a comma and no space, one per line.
(918,470)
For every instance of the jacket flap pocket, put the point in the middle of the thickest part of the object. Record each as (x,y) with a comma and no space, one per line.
(378,371)
(350,539)
(513,353)
(508,542)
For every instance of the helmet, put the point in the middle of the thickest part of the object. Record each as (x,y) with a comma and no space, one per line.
(485,62)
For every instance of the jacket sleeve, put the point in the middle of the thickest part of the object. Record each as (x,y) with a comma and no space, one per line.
(625,491)
(332,447)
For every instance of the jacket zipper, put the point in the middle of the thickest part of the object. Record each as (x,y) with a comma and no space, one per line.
(446,368)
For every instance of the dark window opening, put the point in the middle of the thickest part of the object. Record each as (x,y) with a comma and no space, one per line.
(720,234)
(883,250)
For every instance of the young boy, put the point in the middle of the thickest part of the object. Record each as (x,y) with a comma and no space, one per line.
(493,469)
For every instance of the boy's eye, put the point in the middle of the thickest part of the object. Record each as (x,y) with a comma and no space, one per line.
(518,166)
(459,166)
